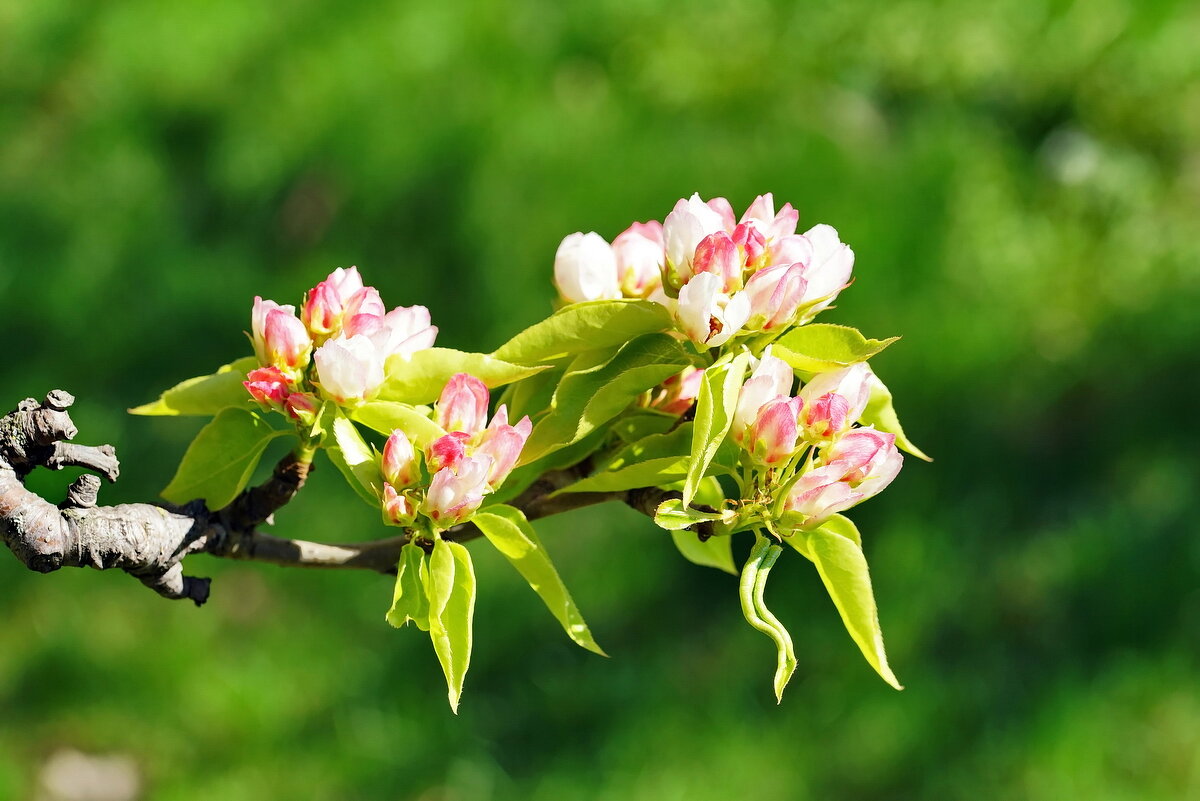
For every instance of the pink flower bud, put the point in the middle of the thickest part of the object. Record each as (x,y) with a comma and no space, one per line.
(399,464)
(772,437)
(640,256)
(455,494)
(301,406)
(774,226)
(724,210)
(707,315)
(775,295)
(408,331)
(344,282)
(835,400)
(678,393)
(771,378)
(791,250)
(828,271)
(267,385)
(397,508)
(585,268)
(279,338)
(689,222)
(365,301)
(349,370)
(868,457)
(322,312)
(818,495)
(463,404)
(446,451)
(717,254)
(751,245)
(503,443)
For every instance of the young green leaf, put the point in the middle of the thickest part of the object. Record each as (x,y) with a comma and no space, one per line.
(819,347)
(387,416)
(451,584)
(641,423)
(598,386)
(410,601)
(420,377)
(713,552)
(507,529)
(587,326)
(356,459)
(843,569)
(205,395)
(715,406)
(882,414)
(751,588)
(221,459)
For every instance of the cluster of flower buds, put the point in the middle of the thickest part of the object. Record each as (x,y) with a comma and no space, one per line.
(851,465)
(463,465)
(336,347)
(720,276)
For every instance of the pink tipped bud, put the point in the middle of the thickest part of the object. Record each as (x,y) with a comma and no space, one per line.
(399,465)
(835,400)
(869,457)
(397,508)
(717,254)
(301,406)
(689,222)
(725,211)
(771,378)
(775,295)
(406,331)
(446,451)
(455,493)
(267,385)
(640,256)
(279,338)
(503,443)
(818,495)
(463,405)
(828,271)
(322,312)
(751,245)
(365,301)
(585,268)
(678,393)
(344,282)
(775,226)
(772,437)
(707,315)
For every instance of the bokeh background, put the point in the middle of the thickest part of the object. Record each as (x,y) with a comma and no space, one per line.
(1020,181)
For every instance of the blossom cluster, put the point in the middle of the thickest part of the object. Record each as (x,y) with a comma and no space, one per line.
(335,349)
(719,275)
(447,482)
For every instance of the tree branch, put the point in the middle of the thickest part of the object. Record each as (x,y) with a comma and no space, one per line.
(149,541)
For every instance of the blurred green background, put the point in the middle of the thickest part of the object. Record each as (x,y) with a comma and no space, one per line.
(1020,181)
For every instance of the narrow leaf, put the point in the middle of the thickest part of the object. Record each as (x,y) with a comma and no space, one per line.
(420,378)
(508,530)
(410,601)
(221,459)
(587,326)
(451,585)
(204,395)
(715,406)
(882,414)
(843,568)
(818,347)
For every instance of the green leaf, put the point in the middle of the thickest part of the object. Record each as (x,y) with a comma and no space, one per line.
(221,459)
(641,423)
(819,347)
(451,584)
(750,589)
(843,568)
(844,527)
(652,461)
(206,394)
(420,378)
(532,396)
(386,416)
(410,601)
(356,459)
(713,552)
(586,326)
(598,386)
(881,414)
(674,516)
(715,405)
(507,529)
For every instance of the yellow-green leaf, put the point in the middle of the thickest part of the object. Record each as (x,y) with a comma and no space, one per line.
(206,394)
(451,584)
(820,347)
